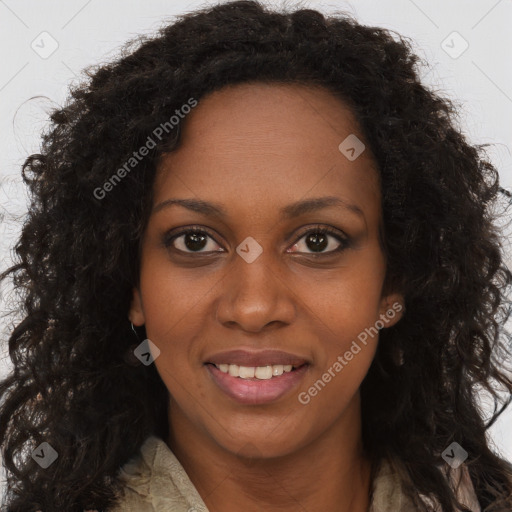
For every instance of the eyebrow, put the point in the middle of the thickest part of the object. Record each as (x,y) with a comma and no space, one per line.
(292,210)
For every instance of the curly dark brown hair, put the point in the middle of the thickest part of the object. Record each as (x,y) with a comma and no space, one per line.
(77,259)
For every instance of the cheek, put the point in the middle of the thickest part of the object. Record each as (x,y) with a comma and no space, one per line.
(173,300)
(348,320)
(349,300)
(334,382)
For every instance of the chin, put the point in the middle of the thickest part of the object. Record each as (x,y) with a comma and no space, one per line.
(255,450)
(253,445)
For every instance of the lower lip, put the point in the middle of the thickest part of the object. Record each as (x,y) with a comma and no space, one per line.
(257,391)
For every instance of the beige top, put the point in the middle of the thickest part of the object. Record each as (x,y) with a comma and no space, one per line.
(155,481)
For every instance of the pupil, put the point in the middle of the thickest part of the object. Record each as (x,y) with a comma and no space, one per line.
(195,241)
(318,238)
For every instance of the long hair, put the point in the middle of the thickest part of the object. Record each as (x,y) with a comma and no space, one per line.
(77,258)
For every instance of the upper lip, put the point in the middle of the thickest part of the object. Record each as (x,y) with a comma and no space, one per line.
(243,357)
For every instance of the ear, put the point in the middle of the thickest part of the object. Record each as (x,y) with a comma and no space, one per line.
(136,314)
(392,309)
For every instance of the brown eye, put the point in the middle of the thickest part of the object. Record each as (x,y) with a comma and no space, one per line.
(318,240)
(191,241)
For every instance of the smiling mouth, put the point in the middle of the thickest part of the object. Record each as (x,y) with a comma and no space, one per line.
(255,385)
(256,372)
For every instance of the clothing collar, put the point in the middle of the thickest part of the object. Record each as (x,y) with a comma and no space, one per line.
(155,481)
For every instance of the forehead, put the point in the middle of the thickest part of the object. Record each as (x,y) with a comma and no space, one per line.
(268,143)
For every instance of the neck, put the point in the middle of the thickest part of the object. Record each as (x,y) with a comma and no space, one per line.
(329,474)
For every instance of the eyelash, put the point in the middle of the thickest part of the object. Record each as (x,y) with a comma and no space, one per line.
(324,230)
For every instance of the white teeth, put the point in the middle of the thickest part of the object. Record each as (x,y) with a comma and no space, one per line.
(246,372)
(263,372)
(277,369)
(258,372)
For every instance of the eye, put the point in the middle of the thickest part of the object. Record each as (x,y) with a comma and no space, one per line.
(317,240)
(190,241)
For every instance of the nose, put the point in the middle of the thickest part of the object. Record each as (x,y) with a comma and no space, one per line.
(255,296)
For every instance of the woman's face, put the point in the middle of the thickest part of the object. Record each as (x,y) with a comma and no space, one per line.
(260,277)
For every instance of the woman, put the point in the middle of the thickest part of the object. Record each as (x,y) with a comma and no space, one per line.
(260,272)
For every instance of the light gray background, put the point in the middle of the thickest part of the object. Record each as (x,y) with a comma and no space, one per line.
(90,31)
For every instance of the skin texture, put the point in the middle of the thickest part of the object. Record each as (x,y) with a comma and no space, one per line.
(76,382)
(256,148)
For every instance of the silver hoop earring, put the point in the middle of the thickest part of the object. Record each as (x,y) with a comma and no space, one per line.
(129,357)
(399,358)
